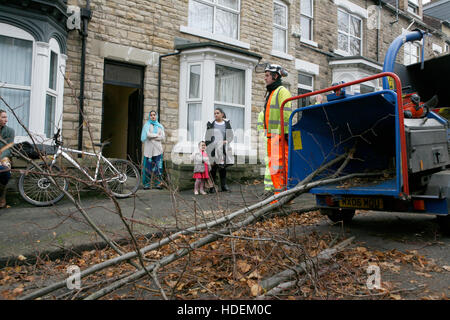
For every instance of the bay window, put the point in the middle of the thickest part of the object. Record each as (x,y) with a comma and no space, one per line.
(212,78)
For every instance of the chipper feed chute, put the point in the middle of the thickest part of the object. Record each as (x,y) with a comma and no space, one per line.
(363,122)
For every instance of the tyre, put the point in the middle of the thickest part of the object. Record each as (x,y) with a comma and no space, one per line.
(38,189)
(444,224)
(123,183)
(337,215)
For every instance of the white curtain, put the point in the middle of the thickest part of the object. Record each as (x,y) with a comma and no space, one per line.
(232,4)
(194,82)
(226,24)
(19,100)
(15,69)
(201,16)
(236,115)
(50,106)
(230,88)
(230,85)
(306,7)
(15,61)
(194,127)
(279,39)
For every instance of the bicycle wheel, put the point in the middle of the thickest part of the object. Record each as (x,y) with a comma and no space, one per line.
(122,178)
(37,189)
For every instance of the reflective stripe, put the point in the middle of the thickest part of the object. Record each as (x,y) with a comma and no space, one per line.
(276,168)
(274,121)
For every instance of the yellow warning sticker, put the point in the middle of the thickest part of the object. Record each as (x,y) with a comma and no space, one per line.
(297,139)
(391,83)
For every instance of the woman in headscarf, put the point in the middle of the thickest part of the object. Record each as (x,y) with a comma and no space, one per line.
(152,136)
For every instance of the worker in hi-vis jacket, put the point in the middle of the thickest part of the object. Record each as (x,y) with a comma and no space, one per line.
(275,95)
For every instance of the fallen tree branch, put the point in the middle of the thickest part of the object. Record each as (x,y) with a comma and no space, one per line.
(323,256)
(288,285)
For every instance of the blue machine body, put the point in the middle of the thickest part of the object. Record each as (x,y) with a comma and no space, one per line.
(320,133)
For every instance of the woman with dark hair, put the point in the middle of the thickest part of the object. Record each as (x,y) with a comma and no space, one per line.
(219,136)
(152,136)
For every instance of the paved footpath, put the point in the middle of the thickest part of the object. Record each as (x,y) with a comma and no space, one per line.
(27,230)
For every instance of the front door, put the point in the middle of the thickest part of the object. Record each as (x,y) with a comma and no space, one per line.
(122,110)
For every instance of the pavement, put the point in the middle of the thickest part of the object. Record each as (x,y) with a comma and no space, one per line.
(54,231)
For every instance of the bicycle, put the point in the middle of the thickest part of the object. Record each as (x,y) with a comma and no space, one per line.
(120,176)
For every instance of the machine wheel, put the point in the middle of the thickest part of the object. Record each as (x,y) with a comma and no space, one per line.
(125,183)
(336,215)
(444,224)
(38,189)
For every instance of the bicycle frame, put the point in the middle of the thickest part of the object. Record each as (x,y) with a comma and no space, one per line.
(64,152)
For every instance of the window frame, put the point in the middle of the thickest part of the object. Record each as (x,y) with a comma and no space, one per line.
(308,88)
(52,92)
(414,6)
(280,27)
(311,19)
(215,5)
(350,15)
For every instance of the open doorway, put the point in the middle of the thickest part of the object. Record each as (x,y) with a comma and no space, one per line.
(122,110)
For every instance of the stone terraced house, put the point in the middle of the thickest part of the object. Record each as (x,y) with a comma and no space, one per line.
(183,58)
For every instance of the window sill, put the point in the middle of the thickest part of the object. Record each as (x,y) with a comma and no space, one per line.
(209,35)
(282,55)
(309,42)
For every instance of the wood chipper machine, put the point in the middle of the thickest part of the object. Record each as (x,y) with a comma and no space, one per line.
(396,132)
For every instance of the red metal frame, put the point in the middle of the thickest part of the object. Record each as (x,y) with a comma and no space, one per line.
(337,87)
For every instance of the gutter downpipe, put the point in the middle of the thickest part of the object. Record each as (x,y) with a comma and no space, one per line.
(159,77)
(86,15)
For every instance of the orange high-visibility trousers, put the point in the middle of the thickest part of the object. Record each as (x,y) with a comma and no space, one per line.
(276,165)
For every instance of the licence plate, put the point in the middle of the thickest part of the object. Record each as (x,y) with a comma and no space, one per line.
(361,203)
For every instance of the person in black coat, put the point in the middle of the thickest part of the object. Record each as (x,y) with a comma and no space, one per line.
(219,136)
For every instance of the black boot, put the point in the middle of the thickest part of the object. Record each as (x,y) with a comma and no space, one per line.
(2,196)
(223,179)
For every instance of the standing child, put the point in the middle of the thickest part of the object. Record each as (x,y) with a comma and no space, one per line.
(201,168)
